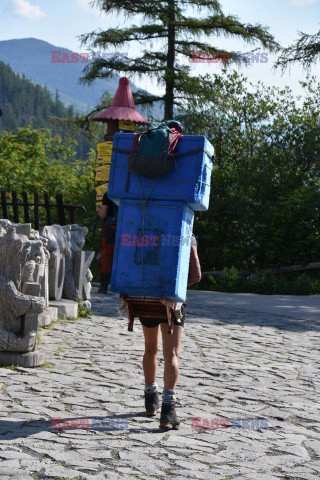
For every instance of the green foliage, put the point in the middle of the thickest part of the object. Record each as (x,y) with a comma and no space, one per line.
(230,281)
(33,160)
(46,365)
(304,285)
(82,311)
(82,127)
(9,367)
(280,284)
(265,183)
(24,103)
(27,104)
(305,50)
(169,32)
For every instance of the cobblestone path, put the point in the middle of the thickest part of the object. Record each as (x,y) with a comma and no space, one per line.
(250,377)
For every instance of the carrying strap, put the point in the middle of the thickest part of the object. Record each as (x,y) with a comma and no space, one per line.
(128,181)
(175,155)
(135,149)
(191,152)
(121,150)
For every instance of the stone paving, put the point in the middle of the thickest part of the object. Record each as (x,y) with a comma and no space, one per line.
(236,363)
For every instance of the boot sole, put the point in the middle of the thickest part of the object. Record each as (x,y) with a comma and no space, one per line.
(153,414)
(168,426)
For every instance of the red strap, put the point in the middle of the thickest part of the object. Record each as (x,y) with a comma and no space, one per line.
(135,142)
(174,139)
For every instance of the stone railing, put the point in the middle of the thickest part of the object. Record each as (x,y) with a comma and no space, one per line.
(42,276)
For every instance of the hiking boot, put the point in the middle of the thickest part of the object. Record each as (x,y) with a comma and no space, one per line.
(151,403)
(168,418)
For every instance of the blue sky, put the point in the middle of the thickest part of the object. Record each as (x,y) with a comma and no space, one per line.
(60,22)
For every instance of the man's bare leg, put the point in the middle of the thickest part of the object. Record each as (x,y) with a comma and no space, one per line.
(171,347)
(151,338)
(151,399)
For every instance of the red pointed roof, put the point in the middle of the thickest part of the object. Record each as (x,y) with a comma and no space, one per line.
(122,106)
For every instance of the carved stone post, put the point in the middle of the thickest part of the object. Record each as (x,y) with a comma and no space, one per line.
(20,301)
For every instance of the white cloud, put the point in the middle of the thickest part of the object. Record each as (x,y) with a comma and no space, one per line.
(24,9)
(301,2)
(85,5)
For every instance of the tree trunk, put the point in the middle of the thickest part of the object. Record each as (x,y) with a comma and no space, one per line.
(169,74)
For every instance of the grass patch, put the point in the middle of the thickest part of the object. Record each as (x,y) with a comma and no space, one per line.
(82,311)
(46,365)
(48,327)
(9,367)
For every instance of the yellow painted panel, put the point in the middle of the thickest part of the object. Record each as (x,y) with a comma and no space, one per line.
(104,148)
(100,191)
(104,160)
(104,152)
(102,173)
(127,125)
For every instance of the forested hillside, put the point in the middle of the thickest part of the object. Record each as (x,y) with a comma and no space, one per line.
(32,57)
(24,103)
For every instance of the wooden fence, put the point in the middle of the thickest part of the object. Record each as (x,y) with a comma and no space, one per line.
(11,210)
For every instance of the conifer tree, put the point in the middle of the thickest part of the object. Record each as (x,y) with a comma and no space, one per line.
(174,34)
(305,50)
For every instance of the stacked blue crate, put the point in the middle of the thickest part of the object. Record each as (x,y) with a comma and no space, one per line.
(155,221)
(188,181)
(152,249)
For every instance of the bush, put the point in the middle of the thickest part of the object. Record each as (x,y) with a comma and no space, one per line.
(280,284)
(265,182)
(33,160)
(302,285)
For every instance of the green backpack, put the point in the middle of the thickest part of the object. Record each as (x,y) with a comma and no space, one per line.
(151,152)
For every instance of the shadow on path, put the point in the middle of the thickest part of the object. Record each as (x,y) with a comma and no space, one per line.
(284,312)
(10,430)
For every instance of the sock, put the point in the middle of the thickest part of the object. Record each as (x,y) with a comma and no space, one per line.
(169,396)
(151,387)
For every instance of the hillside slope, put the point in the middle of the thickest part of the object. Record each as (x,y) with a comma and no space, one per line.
(24,103)
(32,57)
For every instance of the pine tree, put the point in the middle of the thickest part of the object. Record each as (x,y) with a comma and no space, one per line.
(305,50)
(168,21)
(24,104)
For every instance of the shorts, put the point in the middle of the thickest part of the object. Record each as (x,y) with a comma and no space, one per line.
(154,322)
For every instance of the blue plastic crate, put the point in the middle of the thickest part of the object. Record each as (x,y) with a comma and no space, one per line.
(189,182)
(152,249)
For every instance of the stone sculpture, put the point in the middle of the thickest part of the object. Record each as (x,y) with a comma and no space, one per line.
(22,258)
(69,274)
(58,245)
(77,283)
(36,266)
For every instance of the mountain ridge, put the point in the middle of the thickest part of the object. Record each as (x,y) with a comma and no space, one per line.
(32,57)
